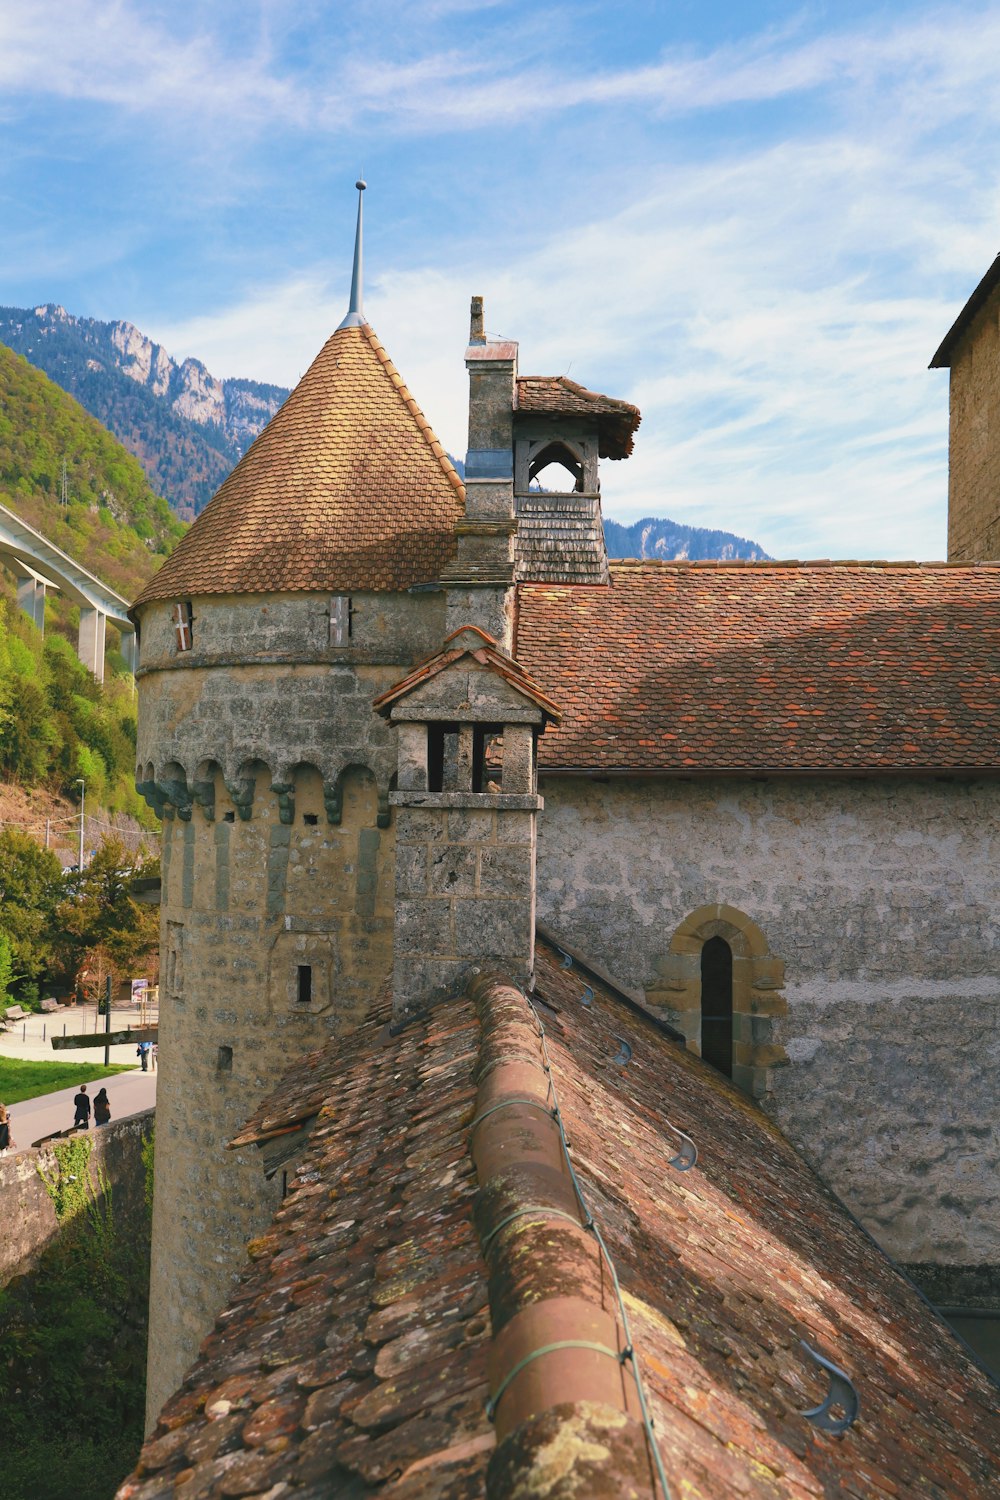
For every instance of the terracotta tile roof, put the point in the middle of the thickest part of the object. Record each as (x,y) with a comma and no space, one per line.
(346,488)
(701,667)
(356,1353)
(556,395)
(352,1358)
(468,640)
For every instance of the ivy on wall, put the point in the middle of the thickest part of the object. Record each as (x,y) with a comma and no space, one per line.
(73,1336)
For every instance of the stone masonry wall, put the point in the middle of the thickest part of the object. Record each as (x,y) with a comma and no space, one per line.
(274,775)
(246,904)
(882,898)
(974,442)
(463,893)
(28,1222)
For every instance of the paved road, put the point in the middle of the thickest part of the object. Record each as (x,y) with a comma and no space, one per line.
(130,1093)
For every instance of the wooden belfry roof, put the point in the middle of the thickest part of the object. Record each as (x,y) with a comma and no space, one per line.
(557,395)
(346,488)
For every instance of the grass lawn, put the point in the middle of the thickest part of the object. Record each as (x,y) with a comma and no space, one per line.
(28,1079)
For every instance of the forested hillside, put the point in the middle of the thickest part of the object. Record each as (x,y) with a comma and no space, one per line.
(56,723)
(186,427)
(112,521)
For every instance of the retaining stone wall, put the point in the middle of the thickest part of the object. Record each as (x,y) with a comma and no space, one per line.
(27,1216)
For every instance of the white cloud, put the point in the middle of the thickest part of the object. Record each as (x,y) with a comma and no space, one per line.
(771,306)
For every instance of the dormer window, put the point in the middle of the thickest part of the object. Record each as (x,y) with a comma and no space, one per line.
(184,625)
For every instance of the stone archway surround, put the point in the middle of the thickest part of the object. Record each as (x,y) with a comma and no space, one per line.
(758,978)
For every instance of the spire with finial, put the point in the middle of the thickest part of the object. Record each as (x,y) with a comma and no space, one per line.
(355,313)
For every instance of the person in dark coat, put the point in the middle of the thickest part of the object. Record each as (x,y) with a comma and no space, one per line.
(102,1108)
(81,1107)
(6,1143)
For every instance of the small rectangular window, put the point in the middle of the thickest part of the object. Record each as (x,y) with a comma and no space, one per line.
(305,984)
(311,818)
(224,1062)
(229,817)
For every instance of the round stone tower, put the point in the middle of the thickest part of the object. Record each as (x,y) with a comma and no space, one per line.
(293,601)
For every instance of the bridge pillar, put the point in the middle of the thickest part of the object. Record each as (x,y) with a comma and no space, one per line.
(31,598)
(90,649)
(130,649)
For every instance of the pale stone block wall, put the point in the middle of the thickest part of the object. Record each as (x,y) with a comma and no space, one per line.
(245,904)
(882,899)
(974,442)
(464,891)
(274,774)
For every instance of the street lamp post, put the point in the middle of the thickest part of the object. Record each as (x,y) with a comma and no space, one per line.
(83,794)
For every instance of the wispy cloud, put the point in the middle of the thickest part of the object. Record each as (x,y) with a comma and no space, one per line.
(760,242)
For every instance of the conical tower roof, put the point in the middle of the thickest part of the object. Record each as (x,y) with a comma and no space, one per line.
(346,488)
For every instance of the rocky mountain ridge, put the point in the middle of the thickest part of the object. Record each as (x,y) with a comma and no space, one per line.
(186,426)
(671,541)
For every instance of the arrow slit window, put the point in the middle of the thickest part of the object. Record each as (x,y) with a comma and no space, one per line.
(183,625)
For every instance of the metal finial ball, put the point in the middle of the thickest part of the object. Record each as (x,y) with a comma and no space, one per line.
(361,184)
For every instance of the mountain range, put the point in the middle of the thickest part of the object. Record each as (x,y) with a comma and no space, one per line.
(188,428)
(669,540)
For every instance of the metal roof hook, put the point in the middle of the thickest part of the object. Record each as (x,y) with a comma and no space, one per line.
(567,959)
(587,998)
(624,1054)
(687,1156)
(841,1393)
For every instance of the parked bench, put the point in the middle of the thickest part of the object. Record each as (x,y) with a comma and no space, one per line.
(48,1006)
(16,1013)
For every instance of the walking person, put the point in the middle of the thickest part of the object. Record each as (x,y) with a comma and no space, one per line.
(6,1144)
(102,1108)
(81,1107)
(143,1051)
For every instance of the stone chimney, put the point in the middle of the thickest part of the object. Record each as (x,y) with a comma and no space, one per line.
(479,581)
(466,810)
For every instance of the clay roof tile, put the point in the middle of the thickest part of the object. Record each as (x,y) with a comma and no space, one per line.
(346,488)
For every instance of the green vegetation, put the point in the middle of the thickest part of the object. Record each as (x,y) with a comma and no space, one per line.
(30,1080)
(73,1343)
(70,931)
(57,723)
(113,523)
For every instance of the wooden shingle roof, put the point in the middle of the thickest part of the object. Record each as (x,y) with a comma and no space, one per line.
(686,668)
(346,488)
(557,395)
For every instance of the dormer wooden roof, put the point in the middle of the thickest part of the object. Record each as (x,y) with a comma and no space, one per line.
(557,395)
(346,488)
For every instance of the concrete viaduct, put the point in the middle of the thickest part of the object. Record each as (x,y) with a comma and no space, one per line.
(38,565)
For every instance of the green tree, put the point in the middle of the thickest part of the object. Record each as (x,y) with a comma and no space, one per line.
(101,926)
(31,887)
(6,973)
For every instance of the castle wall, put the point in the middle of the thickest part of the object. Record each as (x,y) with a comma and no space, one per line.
(277,902)
(974,442)
(883,900)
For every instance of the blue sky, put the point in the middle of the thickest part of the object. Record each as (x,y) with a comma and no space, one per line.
(757,222)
